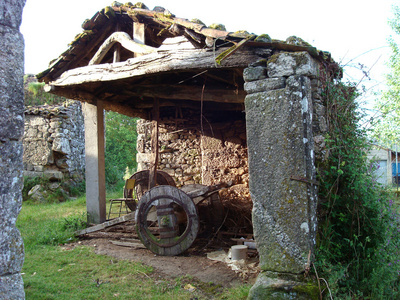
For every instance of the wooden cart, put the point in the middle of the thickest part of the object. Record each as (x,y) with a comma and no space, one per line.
(167,219)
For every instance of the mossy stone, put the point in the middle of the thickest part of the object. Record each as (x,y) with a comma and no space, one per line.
(197,21)
(265,38)
(217,26)
(294,40)
(275,286)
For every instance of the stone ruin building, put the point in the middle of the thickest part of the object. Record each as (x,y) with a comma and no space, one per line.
(216,106)
(11,150)
(54,145)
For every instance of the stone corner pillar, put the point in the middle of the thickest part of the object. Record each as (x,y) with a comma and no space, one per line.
(95,162)
(282,173)
(11,150)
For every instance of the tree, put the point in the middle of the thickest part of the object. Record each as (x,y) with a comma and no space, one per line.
(387,124)
(120,146)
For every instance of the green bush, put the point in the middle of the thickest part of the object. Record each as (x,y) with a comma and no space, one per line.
(120,146)
(356,250)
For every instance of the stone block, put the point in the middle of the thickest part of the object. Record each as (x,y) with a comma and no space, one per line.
(11,287)
(264,85)
(33,174)
(38,168)
(169,171)
(11,250)
(53,175)
(36,121)
(286,64)
(11,182)
(274,286)
(11,74)
(37,152)
(11,13)
(143,157)
(61,145)
(254,73)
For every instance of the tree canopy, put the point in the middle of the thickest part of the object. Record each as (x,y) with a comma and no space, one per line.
(387,125)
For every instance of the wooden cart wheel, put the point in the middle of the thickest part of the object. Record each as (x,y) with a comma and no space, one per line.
(142,184)
(175,224)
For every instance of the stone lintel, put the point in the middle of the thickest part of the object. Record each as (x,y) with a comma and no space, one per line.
(265,85)
(292,63)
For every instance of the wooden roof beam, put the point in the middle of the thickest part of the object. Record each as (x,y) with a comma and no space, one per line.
(126,41)
(191,60)
(183,92)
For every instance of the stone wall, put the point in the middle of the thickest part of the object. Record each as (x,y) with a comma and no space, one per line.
(54,143)
(214,155)
(11,132)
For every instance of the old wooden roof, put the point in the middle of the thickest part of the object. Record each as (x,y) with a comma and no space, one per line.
(207,67)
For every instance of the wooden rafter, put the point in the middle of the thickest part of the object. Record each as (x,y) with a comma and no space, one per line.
(126,41)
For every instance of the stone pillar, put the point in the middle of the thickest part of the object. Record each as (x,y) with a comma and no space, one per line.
(94,157)
(282,174)
(11,133)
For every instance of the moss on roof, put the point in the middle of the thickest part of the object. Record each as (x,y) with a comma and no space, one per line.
(160,24)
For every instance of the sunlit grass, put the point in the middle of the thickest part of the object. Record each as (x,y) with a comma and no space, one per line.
(55,270)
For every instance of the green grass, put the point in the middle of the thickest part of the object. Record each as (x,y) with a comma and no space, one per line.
(53,270)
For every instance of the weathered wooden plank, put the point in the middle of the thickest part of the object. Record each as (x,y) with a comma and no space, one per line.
(137,245)
(152,16)
(106,224)
(159,62)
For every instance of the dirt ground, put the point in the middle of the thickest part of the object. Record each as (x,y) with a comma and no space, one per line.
(193,262)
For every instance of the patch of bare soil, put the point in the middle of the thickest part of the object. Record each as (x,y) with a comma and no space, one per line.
(193,262)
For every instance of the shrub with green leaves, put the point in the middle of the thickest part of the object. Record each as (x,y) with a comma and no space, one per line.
(120,146)
(357,223)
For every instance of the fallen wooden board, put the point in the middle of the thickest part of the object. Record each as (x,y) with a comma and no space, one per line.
(106,224)
(129,244)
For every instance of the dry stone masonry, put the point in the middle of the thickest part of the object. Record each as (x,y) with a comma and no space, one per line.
(11,150)
(54,143)
(216,154)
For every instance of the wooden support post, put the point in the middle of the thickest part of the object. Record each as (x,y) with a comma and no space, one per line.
(117,51)
(154,145)
(95,167)
(138,35)
(117,48)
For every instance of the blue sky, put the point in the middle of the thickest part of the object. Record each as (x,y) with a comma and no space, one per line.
(354,31)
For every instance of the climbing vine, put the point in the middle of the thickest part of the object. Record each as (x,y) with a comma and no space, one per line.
(357,223)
